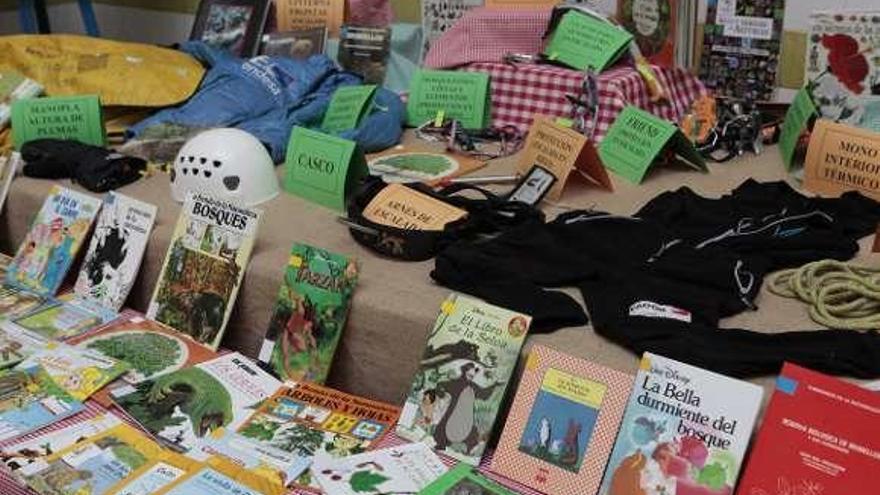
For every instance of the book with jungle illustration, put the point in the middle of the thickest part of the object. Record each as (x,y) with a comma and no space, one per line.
(468,361)
(94,466)
(114,256)
(405,469)
(209,252)
(562,423)
(80,372)
(312,420)
(685,430)
(183,406)
(53,241)
(309,315)
(150,348)
(30,400)
(464,479)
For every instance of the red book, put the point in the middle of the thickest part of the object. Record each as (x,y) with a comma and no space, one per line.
(820,436)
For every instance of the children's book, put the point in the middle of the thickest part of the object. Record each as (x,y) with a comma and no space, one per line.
(114,256)
(820,435)
(469,359)
(562,423)
(80,372)
(15,302)
(299,44)
(17,344)
(742,40)
(53,241)
(13,87)
(464,479)
(157,475)
(27,451)
(209,252)
(843,64)
(182,406)
(58,320)
(214,481)
(405,469)
(685,430)
(276,466)
(308,420)
(30,400)
(654,26)
(309,315)
(5,260)
(94,466)
(150,348)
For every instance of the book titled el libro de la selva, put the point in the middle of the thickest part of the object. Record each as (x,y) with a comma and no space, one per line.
(685,431)
(463,374)
(209,252)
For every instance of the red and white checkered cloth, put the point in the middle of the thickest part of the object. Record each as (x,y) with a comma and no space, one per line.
(9,485)
(481,38)
(519,92)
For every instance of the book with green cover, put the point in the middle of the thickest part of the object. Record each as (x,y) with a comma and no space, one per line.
(464,479)
(463,374)
(81,372)
(309,314)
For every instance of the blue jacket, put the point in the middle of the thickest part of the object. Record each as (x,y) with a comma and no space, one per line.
(268,96)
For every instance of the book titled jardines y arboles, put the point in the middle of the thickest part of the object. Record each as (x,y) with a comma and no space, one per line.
(685,430)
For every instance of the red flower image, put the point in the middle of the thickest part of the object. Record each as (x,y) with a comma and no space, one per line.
(844,61)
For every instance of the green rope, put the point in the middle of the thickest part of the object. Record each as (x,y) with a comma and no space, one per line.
(839,295)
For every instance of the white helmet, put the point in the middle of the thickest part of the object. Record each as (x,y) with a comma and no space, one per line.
(227,164)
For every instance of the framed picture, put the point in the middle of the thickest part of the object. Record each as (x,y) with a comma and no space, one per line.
(232,25)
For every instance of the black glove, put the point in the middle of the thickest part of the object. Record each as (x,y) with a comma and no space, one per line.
(95,168)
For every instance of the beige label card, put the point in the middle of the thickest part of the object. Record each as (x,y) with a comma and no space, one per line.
(842,158)
(400,206)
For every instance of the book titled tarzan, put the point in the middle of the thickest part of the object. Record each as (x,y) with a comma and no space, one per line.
(183,406)
(209,252)
(469,359)
(685,430)
(309,315)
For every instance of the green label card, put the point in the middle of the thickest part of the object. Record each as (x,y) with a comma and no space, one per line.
(58,117)
(796,122)
(463,96)
(320,167)
(347,107)
(581,41)
(636,139)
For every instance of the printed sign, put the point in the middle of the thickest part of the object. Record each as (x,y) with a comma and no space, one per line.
(302,14)
(637,138)
(463,96)
(842,158)
(582,41)
(797,119)
(562,151)
(58,117)
(322,168)
(400,206)
(347,107)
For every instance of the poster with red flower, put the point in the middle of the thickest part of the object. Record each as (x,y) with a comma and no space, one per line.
(843,64)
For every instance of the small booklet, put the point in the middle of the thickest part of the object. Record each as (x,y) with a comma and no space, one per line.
(80,372)
(365,51)
(30,400)
(298,44)
(464,479)
(405,469)
(17,344)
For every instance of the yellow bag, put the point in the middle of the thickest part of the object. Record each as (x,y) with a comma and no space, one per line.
(129,74)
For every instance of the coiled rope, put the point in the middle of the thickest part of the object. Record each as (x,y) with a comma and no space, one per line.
(840,295)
